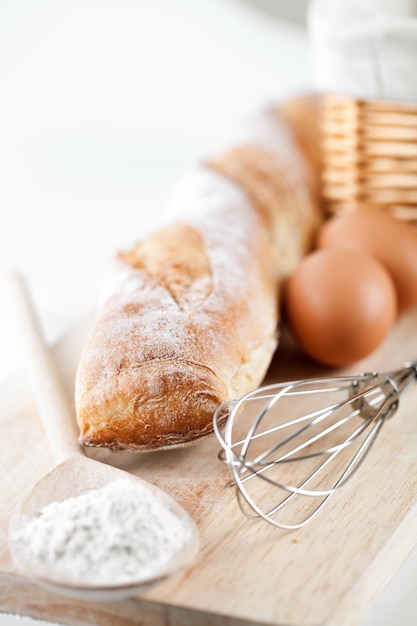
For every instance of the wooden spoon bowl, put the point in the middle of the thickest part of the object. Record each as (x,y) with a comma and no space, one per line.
(75,474)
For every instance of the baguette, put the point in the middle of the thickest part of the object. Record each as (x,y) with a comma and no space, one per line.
(190,317)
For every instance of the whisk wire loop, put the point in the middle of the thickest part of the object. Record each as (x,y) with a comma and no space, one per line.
(309,455)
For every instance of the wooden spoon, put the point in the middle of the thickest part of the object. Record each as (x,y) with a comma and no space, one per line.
(74,473)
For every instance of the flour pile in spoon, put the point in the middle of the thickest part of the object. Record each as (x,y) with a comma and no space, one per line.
(111,535)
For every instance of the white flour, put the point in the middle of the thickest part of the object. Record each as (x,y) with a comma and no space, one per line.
(108,535)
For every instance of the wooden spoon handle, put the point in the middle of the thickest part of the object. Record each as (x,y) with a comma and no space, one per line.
(50,396)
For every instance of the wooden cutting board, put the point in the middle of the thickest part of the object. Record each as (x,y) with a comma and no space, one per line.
(248,572)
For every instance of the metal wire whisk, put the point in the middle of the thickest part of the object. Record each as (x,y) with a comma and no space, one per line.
(304,450)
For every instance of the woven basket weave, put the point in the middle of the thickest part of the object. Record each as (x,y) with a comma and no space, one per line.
(369,152)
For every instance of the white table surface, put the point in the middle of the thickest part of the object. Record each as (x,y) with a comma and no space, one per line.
(103,104)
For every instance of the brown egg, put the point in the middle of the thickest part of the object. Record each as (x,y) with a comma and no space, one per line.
(391,241)
(340,305)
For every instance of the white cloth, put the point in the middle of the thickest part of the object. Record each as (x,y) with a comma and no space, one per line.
(365,48)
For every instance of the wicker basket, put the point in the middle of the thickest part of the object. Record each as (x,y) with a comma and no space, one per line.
(369,152)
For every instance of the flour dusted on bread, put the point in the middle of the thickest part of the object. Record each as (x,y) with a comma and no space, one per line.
(190,317)
(271,160)
(190,323)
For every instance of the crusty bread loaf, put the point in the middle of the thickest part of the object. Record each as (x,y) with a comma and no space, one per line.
(190,317)
(276,162)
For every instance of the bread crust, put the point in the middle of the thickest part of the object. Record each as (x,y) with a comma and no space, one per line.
(189,320)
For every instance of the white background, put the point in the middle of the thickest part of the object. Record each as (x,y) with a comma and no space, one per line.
(103,103)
